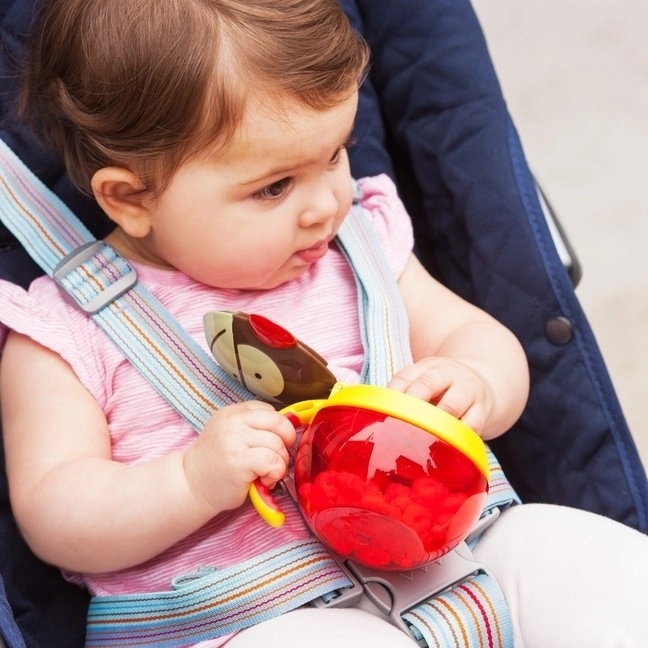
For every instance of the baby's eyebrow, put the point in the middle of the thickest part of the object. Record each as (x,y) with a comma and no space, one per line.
(279,171)
(288,169)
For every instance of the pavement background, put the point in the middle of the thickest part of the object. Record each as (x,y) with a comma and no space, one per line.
(575,77)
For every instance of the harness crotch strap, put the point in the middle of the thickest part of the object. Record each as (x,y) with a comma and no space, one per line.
(468,610)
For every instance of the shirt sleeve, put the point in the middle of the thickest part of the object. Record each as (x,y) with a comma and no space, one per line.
(44,316)
(389,219)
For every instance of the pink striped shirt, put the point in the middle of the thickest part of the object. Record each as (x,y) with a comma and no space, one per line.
(319,307)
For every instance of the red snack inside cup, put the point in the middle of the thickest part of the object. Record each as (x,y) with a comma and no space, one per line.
(388,480)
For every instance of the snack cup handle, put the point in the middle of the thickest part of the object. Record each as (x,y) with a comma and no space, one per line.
(298,414)
(303,412)
(265,504)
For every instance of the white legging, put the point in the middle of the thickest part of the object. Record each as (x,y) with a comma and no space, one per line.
(571,579)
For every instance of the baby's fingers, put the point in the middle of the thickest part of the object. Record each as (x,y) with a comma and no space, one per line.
(428,383)
(462,406)
(274,422)
(270,443)
(268,464)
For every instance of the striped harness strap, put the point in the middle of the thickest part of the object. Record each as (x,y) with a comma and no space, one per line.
(215,602)
(384,324)
(467,611)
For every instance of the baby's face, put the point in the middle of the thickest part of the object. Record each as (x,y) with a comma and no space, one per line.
(266,209)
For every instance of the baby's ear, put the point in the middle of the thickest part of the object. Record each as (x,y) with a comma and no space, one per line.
(121,194)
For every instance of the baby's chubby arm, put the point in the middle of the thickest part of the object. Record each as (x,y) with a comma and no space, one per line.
(465,361)
(82,511)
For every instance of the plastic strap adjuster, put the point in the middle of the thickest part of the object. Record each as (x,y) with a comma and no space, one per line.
(94,275)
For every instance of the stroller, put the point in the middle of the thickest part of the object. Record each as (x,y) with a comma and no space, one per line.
(432,116)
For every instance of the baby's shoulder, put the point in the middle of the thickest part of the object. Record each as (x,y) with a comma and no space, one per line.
(389,219)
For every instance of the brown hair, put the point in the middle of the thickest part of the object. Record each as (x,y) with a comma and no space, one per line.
(148,84)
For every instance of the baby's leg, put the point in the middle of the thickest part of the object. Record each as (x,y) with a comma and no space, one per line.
(570,578)
(323,628)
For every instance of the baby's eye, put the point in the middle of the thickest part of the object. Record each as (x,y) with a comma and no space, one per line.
(274,190)
(336,156)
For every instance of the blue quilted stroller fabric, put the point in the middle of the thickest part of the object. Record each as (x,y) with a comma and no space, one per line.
(432,116)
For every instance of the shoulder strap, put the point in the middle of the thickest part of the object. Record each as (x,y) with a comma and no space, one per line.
(104,285)
(383,318)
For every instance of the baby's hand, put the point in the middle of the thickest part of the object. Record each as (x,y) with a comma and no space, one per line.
(239,443)
(449,384)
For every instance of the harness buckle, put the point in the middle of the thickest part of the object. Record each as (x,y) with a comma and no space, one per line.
(343,597)
(113,275)
(396,593)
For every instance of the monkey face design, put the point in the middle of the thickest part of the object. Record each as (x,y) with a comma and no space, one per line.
(266,359)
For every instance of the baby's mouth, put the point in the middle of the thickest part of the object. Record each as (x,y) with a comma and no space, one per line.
(314,253)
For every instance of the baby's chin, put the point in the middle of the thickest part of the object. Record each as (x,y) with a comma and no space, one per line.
(266,283)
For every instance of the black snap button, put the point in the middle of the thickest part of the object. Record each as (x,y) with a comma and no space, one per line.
(559,330)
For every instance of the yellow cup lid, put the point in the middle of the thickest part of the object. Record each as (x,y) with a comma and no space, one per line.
(413,410)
